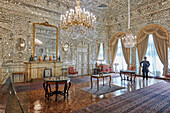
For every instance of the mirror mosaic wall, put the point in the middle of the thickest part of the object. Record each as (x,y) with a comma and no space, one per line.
(17,18)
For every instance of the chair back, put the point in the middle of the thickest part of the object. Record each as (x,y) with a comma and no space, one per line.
(71,69)
(133,68)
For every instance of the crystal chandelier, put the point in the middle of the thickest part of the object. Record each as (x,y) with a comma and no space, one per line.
(129,40)
(77,19)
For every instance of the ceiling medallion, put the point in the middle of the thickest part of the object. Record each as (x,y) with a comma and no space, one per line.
(78,19)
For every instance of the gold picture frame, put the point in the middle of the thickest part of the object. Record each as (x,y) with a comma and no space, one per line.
(48,25)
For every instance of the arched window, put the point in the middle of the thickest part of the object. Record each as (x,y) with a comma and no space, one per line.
(100,57)
(119,59)
(156,66)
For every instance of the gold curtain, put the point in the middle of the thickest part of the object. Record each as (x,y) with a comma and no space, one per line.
(160,41)
(114,45)
(113,49)
(126,53)
(162,50)
(142,47)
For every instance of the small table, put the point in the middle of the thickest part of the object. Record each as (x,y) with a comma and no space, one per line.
(56,81)
(18,73)
(128,72)
(100,76)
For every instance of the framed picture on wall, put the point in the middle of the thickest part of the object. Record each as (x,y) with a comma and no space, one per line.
(47,73)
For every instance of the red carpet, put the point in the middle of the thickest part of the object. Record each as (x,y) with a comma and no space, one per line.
(151,99)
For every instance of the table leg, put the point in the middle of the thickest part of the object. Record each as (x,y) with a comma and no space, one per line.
(97,83)
(47,91)
(50,88)
(56,92)
(110,82)
(65,88)
(124,77)
(103,81)
(134,77)
(91,83)
(131,77)
(68,87)
(121,76)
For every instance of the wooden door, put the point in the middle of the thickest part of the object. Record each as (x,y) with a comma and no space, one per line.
(82,60)
(79,64)
(84,64)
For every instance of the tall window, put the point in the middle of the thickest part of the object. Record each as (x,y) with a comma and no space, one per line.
(119,59)
(101,52)
(156,66)
(137,62)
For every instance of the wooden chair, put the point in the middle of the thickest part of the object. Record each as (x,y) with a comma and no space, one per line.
(47,73)
(133,67)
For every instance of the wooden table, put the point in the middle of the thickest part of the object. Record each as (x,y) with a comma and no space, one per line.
(18,73)
(132,73)
(98,76)
(56,81)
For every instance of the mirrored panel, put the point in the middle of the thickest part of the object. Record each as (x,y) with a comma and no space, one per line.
(45,41)
(20,44)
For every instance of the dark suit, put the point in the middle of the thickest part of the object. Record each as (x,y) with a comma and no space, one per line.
(145,66)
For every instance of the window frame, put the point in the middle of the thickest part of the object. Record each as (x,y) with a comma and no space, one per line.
(98,51)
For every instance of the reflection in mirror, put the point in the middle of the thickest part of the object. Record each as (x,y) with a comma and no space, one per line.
(45,41)
(100,52)
(20,44)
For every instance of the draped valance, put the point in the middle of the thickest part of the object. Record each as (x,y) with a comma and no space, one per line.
(158,30)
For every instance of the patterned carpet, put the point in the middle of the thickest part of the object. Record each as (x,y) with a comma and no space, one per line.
(28,87)
(39,85)
(87,79)
(102,89)
(151,99)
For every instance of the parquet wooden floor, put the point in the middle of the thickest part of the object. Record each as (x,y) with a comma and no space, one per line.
(35,102)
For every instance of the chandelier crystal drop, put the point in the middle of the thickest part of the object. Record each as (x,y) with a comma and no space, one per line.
(77,19)
(129,40)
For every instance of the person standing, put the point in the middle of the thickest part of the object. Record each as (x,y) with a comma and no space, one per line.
(145,67)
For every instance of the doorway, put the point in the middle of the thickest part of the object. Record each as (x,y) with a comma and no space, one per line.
(82,60)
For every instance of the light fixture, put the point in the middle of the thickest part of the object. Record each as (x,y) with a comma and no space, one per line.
(77,19)
(38,42)
(129,40)
(22,45)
